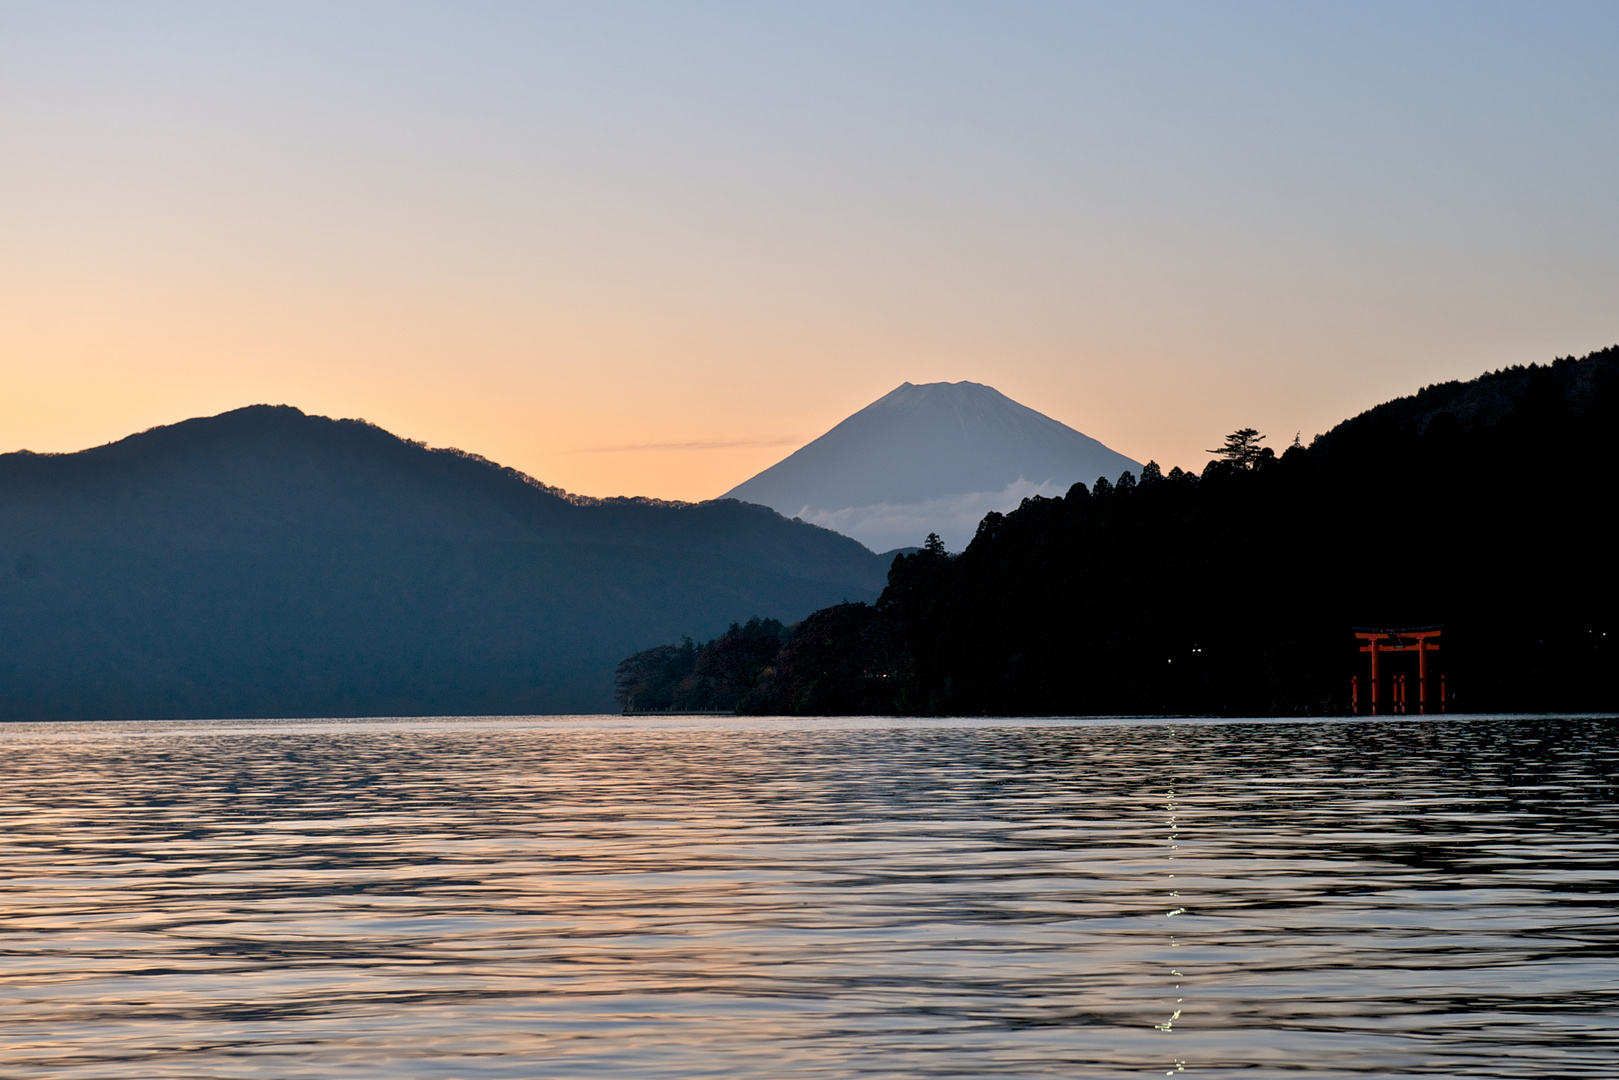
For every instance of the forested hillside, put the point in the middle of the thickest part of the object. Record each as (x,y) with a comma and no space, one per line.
(268,563)
(1482,506)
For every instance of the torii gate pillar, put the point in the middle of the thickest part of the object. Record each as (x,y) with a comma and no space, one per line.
(1423,640)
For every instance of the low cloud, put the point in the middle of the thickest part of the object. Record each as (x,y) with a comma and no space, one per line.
(732,444)
(955,518)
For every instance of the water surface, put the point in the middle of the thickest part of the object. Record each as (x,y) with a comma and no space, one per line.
(601,897)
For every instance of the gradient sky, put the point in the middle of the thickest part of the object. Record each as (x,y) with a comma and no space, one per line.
(652,248)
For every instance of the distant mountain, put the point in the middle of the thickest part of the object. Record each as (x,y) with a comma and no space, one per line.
(930,458)
(268,563)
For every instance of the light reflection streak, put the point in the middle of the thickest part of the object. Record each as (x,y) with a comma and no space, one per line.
(521,898)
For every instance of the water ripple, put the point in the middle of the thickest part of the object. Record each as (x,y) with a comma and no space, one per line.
(609,898)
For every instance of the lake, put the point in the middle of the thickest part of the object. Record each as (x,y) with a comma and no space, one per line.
(834,898)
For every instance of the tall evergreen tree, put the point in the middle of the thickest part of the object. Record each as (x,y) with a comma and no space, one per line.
(1241,448)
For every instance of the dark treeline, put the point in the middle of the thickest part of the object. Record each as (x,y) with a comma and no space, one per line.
(1482,506)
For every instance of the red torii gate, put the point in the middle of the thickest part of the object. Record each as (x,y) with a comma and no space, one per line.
(1422,639)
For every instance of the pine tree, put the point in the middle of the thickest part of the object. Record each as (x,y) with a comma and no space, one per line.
(1241,448)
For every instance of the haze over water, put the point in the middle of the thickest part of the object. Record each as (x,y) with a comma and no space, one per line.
(608,897)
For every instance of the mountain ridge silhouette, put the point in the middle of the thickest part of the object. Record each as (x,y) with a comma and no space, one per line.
(264,562)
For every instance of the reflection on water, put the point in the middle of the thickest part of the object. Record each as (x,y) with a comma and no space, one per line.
(544,898)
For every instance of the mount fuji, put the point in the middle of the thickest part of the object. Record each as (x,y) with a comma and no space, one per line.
(934,457)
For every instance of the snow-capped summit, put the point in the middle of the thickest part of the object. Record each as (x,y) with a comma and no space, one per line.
(934,457)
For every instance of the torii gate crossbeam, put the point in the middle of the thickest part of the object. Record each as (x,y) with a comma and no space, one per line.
(1422,639)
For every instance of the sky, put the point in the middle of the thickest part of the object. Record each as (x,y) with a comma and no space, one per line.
(652,248)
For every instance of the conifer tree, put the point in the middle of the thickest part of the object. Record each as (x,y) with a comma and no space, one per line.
(1241,448)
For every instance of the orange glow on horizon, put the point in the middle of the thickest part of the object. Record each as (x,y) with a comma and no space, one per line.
(655,258)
